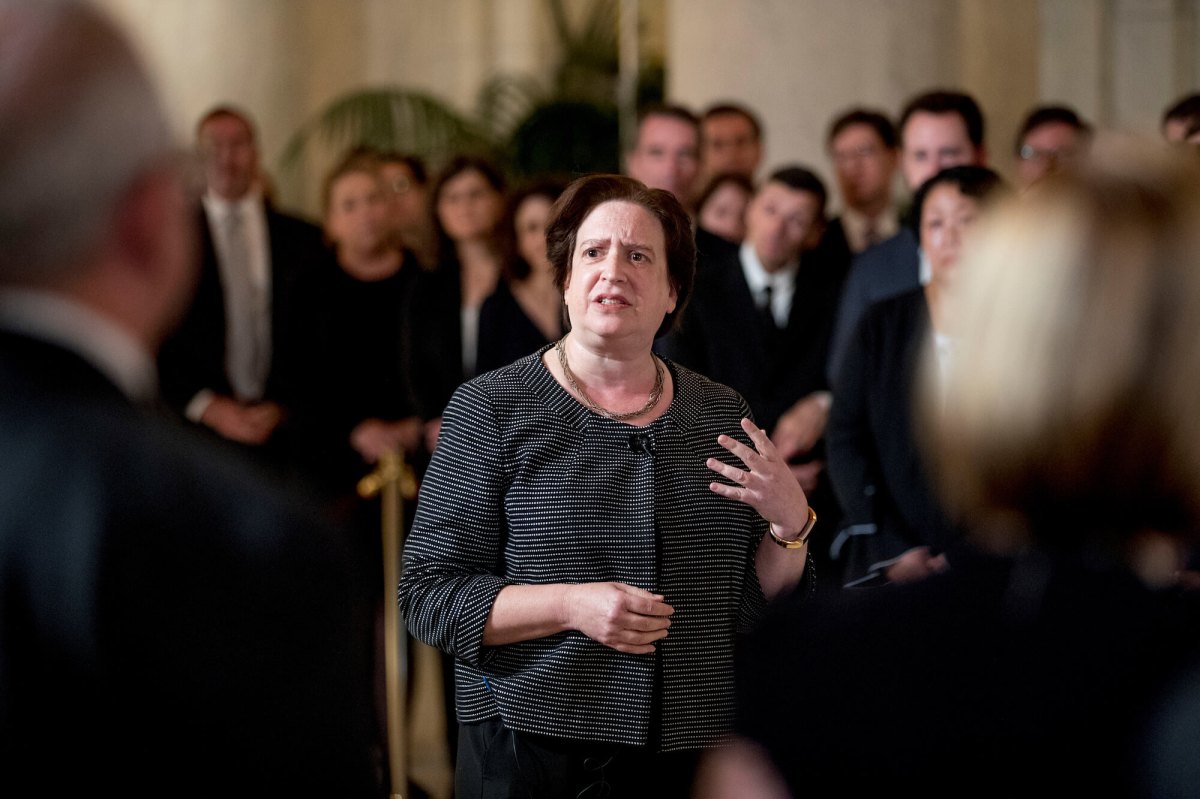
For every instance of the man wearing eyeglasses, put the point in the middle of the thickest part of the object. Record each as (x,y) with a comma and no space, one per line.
(863,147)
(1050,138)
(938,129)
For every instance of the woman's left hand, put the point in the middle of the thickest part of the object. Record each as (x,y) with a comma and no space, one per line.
(765,482)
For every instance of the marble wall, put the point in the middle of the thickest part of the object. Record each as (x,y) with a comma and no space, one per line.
(798,62)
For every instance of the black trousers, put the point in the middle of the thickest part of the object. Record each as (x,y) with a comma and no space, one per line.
(495,762)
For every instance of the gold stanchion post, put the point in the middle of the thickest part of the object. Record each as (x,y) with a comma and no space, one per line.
(394,482)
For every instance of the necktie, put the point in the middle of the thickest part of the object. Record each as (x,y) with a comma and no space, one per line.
(870,236)
(244,313)
(765,310)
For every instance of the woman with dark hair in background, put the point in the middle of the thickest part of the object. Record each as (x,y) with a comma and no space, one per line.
(443,320)
(893,527)
(1066,439)
(721,206)
(441,336)
(525,312)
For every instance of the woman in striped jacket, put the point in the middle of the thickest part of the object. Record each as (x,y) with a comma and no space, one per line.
(575,547)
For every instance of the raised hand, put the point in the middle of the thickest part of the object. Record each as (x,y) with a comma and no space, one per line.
(765,482)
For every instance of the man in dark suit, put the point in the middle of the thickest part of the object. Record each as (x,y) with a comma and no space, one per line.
(731,140)
(863,147)
(666,151)
(938,129)
(234,365)
(168,624)
(760,318)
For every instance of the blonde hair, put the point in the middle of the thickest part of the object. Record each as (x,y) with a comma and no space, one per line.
(1073,407)
(355,161)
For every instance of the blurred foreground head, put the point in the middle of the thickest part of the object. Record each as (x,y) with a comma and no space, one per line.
(92,203)
(1072,414)
(79,124)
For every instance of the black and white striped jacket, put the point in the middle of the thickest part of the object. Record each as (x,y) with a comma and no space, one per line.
(527,486)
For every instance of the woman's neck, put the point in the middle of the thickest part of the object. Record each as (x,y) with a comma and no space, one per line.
(541,301)
(475,253)
(630,368)
(370,265)
(615,380)
(936,299)
(480,270)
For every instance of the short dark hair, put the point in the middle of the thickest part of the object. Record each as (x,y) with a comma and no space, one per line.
(977,182)
(947,102)
(875,120)
(414,164)
(515,266)
(227,111)
(728,108)
(671,111)
(799,178)
(720,179)
(583,195)
(457,166)
(1186,109)
(1047,114)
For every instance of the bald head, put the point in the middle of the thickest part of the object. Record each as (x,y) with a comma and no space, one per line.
(80,125)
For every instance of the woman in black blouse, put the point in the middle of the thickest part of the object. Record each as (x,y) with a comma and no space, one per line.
(893,527)
(572,547)
(359,400)
(443,320)
(526,310)
(359,403)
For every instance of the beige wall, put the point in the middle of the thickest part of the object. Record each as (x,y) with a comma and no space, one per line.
(284,60)
(798,62)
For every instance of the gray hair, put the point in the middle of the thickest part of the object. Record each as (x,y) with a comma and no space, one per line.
(80,123)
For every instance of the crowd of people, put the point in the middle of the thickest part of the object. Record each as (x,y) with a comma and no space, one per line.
(895,494)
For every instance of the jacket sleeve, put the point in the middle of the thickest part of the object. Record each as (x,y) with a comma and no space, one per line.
(451,573)
(866,543)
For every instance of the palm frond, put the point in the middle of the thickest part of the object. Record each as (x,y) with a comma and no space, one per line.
(388,119)
(507,99)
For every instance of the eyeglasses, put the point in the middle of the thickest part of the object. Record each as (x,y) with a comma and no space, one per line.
(857,154)
(400,185)
(1030,153)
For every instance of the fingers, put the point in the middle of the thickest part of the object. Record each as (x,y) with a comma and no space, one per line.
(624,617)
(644,603)
(759,437)
(733,473)
(738,449)
(763,448)
(638,644)
(729,492)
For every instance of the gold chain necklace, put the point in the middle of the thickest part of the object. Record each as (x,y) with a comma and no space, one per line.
(651,401)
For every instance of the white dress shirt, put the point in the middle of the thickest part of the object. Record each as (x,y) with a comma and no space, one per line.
(855,225)
(240,352)
(782,282)
(59,320)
